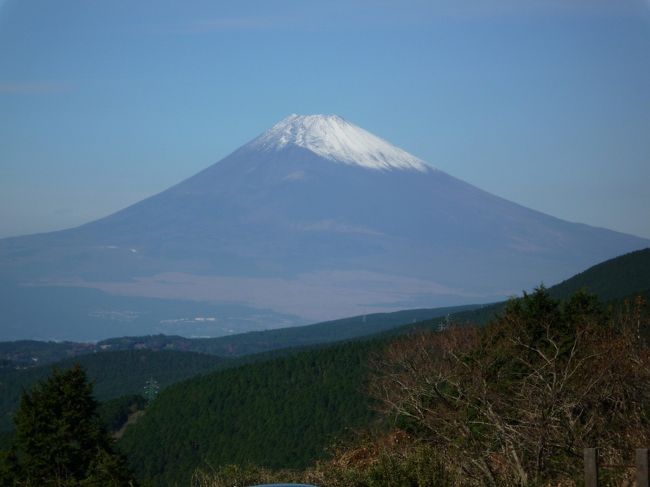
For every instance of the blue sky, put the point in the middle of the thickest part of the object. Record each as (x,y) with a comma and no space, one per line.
(543,102)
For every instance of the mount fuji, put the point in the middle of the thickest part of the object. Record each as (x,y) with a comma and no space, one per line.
(314,219)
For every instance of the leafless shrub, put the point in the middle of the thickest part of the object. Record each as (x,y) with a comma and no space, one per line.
(515,403)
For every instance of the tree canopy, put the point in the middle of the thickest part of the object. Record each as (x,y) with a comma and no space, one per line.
(60,439)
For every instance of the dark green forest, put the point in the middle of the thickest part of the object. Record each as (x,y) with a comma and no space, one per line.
(114,374)
(281,413)
(114,413)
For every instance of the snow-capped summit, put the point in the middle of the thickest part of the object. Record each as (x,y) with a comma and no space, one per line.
(336,139)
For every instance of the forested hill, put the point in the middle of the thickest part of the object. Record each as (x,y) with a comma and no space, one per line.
(29,352)
(122,372)
(613,279)
(113,373)
(280,413)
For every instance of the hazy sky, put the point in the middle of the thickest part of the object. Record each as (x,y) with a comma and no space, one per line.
(543,102)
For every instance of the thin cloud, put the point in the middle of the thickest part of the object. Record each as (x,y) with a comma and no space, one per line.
(31,88)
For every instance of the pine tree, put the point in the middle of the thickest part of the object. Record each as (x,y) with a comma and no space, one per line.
(60,440)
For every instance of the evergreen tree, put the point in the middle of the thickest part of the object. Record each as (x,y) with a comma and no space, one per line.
(60,440)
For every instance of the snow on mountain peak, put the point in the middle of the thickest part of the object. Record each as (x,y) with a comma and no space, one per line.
(334,138)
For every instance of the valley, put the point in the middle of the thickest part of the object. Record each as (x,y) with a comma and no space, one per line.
(277,408)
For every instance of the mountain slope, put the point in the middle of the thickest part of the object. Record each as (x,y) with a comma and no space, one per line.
(616,278)
(313,220)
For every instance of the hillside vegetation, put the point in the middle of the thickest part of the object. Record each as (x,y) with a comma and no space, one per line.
(281,413)
(531,312)
(509,404)
(114,374)
(121,366)
(310,414)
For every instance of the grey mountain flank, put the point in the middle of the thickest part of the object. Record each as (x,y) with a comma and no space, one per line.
(315,219)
